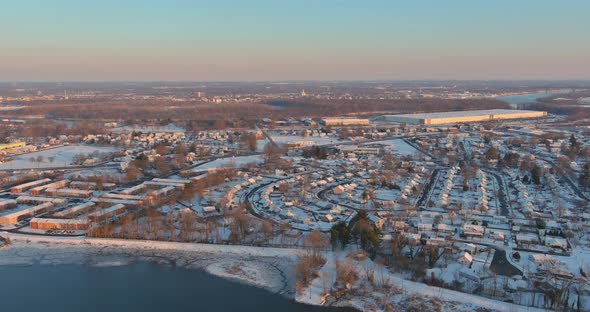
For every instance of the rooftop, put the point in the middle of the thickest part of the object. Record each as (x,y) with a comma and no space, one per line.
(466,113)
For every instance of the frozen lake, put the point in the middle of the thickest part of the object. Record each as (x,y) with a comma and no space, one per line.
(140,286)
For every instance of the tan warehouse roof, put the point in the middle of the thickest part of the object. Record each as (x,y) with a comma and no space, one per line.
(455,114)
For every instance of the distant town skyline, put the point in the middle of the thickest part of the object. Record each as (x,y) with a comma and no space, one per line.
(225,40)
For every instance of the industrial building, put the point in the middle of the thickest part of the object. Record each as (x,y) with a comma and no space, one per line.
(341,121)
(464,116)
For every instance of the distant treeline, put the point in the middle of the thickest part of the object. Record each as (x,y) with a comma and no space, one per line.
(202,115)
(318,108)
(564,104)
(567,108)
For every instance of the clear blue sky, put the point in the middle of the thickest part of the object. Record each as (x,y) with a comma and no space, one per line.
(61,40)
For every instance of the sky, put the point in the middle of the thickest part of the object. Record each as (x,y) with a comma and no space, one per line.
(250,40)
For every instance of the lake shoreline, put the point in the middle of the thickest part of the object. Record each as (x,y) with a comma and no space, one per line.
(268,268)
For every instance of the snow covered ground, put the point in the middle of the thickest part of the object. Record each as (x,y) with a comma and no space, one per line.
(62,157)
(229,162)
(250,272)
(402,294)
(400,147)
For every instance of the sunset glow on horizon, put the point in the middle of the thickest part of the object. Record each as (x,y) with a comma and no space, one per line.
(293,40)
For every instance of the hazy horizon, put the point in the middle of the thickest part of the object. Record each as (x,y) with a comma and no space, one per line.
(263,40)
(302,81)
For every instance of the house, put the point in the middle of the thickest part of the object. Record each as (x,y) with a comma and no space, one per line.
(542,259)
(465,258)
(443,228)
(468,274)
(556,242)
(467,247)
(472,230)
(338,190)
(412,238)
(399,226)
(527,239)
(424,227)
(379,222)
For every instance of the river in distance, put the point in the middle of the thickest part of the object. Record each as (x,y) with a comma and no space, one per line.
(521,99)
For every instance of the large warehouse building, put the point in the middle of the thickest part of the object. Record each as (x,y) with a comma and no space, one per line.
(344,121)
(464,116)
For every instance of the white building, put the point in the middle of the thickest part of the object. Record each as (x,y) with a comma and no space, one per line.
(340,121)
(464,116)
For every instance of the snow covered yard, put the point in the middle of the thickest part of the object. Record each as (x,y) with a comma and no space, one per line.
(400,147)
(375,287)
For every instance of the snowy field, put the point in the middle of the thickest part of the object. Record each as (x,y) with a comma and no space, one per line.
(62,157)
(400,147)
(231,162)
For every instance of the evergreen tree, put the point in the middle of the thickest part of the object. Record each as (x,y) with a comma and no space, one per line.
(340,234)
(536,174)
(585,176)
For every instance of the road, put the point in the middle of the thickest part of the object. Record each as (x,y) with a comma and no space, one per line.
(504,203)
(575,188)
(427,189)
(268,137)
(500,264)
(248,197)
(405,139)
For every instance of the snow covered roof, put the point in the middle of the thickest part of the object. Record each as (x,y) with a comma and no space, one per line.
(455,114)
